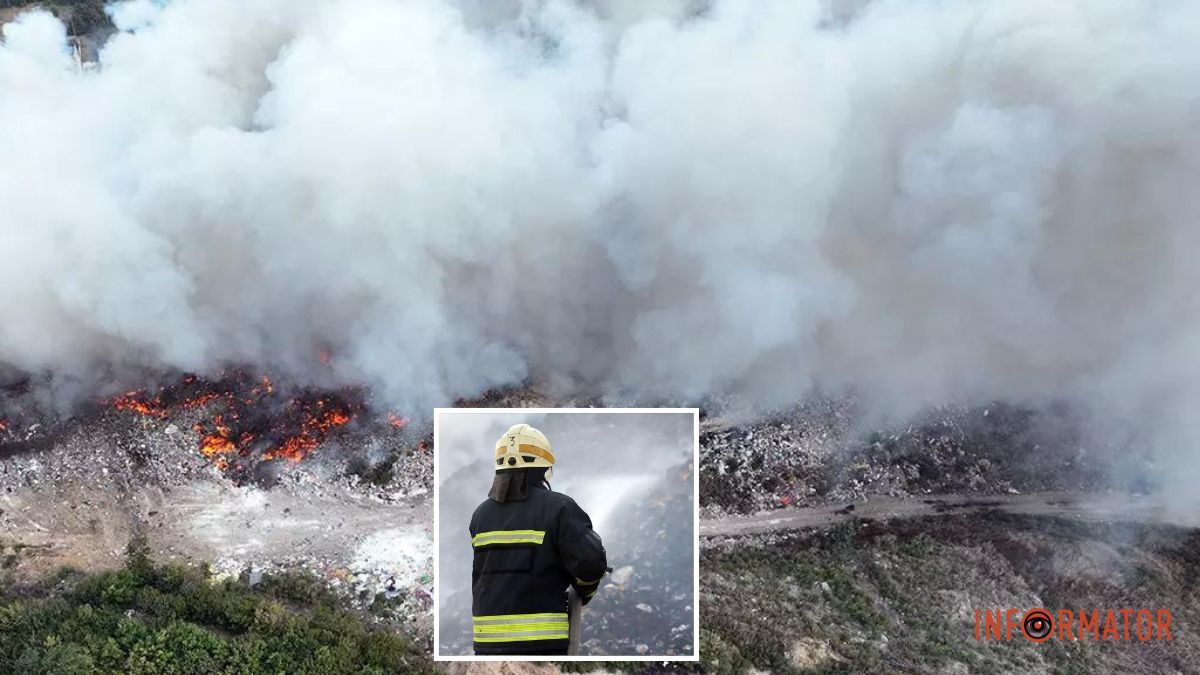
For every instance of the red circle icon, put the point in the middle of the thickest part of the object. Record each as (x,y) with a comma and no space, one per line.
(1037,625)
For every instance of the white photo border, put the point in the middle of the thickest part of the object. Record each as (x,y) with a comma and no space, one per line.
(695,412)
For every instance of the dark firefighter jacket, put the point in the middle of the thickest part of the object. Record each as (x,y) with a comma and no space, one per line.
(527,553)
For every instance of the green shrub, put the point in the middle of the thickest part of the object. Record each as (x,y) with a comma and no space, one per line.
(720,657)
(148,620)
(54,658)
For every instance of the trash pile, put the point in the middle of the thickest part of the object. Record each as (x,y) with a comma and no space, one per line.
(772,461)
(389,574)
(356,513)
(823,453)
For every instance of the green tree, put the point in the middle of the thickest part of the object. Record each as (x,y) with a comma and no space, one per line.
(55,658)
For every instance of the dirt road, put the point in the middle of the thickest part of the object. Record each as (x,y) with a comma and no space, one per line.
(1088,507)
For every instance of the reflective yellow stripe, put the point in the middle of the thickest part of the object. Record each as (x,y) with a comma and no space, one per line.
(503,627)
(526,448)
(489,542)
(537,452)
(519,627)
(526,638)
(508,537)
(581,582)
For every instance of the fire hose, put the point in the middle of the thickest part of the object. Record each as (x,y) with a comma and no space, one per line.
(576,618)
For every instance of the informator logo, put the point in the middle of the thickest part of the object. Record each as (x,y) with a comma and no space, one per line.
(1039,625)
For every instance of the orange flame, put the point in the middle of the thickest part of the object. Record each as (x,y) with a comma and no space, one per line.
(153,406)
(139,403)
(199,401)
(215,444)
(397,421)
(312,431)
(293,432)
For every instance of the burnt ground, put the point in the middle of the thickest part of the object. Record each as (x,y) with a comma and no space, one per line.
(355,510)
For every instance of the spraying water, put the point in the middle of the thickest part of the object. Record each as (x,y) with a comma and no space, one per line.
(925,202)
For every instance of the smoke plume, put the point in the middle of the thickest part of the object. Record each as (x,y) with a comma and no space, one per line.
(924,202)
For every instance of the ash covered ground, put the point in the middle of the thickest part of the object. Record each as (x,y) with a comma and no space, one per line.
(878,590)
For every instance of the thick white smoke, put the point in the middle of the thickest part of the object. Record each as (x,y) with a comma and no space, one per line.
(928,202)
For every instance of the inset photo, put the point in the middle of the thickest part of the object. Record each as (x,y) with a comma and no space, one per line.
(566,534)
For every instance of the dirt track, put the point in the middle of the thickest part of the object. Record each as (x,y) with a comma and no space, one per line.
(1076,506)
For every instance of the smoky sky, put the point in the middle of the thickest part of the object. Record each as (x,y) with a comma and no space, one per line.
(925,202)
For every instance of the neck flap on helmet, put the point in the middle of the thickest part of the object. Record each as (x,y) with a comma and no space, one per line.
(513,485)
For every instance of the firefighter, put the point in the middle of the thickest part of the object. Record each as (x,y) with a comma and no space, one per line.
(530,545)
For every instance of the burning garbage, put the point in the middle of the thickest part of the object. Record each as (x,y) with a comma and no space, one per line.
(244,420)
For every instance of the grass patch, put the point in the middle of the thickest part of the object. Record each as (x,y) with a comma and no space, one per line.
(800,592)
(146,618)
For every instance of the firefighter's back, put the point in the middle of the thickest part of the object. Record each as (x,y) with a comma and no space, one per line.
(519,582)
(519,578)
(530,544)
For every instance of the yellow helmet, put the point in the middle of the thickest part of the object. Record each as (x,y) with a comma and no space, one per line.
(522,447)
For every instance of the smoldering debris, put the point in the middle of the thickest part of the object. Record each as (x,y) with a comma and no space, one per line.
(354,512)
(929,203)
(247,426)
